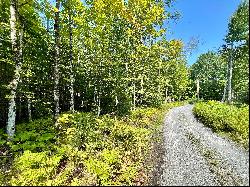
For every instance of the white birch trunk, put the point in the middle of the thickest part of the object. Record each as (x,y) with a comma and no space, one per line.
(97,101)
(29,109)
(224,93)
(142,89)
(72,106)
(116,100)
(134,97)
(56,62)
(230,74)
(166,95)
(16,58)
(198,88)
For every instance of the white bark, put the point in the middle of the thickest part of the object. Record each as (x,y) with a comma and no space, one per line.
(97,100)
(230,74)
(198,88)
(16,58)
(116,100)
(224,93)
(166,95)
(11,115)
(72,106)
(126,66)
(98,104)
(142,89)
(29,109)
(134,97)
(56,63)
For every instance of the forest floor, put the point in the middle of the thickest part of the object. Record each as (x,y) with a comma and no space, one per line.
(192,154)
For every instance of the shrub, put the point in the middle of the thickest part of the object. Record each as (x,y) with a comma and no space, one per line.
(83,149)
(224,118)
(34,168)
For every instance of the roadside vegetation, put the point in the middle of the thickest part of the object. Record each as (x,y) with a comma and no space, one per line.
(82,149)
(229,120)
(223,75)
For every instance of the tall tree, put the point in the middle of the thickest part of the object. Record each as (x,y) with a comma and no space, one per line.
(230,74)
(56,60)
(238,40)
(72,106)
(17,53)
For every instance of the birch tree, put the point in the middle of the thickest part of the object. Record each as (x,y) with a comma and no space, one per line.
(17,52)
(238,40)
(56,60)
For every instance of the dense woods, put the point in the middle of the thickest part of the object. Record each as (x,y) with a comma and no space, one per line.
(102,56)
(85,82)
(108,57)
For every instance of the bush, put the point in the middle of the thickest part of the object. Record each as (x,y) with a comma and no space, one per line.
(35,136)
(228,119)
(34,168)
(83,149)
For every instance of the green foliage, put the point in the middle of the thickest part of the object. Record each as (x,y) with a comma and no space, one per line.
(229,119)
(238,37)
(210,70)
(137,63)
(35,136)
(88,150)
(239,23)
(34,168)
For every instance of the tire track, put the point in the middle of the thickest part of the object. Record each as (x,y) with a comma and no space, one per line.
(194,155)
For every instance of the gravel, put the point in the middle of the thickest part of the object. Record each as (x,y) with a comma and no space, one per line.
(195,156)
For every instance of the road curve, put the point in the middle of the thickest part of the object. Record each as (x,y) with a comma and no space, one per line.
(195,156)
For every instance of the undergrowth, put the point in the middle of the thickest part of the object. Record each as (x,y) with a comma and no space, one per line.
(229,120)
(81,149)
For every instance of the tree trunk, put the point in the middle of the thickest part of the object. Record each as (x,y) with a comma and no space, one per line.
(116,100)
(72,107)
(134,97)
(126,66)
(142,90)
(18,63)
(230,74)
(98,104)
(198,88)
(224,93)
(29,108)
(166,95)
(56,62)
(97,100)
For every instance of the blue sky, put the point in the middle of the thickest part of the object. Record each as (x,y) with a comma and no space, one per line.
(206,20)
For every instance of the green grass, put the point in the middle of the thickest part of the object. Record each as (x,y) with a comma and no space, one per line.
(229,120)
(82,149)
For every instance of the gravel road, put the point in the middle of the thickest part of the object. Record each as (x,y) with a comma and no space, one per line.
(195,156)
